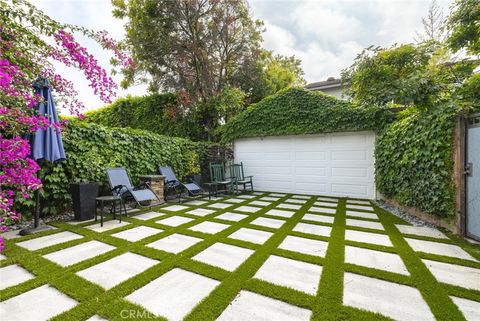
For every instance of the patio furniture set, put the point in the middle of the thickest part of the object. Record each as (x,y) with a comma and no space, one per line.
(124,191)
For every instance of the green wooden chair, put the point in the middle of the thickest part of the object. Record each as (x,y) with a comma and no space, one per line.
(219,183)
(238,176)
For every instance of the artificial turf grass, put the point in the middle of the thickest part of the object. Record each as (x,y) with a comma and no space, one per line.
(112,302)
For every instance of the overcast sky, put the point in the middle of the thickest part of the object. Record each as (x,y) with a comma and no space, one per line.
(325,34)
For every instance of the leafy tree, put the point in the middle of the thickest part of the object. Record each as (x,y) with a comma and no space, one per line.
(434,29)
(463,23)
(268,75)
(193,47)
(405,75)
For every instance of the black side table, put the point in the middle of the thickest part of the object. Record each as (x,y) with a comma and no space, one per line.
(109,199)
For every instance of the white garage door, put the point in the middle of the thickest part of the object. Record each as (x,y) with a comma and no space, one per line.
(339,164)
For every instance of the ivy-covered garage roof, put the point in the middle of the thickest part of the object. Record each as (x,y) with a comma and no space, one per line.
(296,111)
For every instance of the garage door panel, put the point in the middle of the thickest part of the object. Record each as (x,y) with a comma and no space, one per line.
(309,156)
(309,188)
(317,171)
(349,172)
(350,189)
(337,164)
(349,155)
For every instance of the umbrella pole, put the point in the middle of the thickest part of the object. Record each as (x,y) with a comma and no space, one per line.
(36,218)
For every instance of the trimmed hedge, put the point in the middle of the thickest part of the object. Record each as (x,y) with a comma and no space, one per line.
(147,113)
(414,160)
(296,111)
(92,148)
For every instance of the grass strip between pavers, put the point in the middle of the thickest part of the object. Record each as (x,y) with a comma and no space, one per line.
(326,305)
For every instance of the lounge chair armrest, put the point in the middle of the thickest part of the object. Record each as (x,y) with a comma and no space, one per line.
(118,188)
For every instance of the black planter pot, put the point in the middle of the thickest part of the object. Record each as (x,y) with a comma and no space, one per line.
(83,197)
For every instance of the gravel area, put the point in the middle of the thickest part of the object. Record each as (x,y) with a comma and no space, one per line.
(415,221)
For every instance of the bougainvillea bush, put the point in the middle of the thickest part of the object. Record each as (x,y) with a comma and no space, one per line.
(29,42)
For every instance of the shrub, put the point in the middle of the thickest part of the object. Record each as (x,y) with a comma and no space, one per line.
(154,113)
(92,148)
(414,160)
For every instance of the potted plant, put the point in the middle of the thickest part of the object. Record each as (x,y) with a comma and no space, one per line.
(83,197)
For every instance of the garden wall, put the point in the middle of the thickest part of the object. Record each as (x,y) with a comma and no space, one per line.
(92,148)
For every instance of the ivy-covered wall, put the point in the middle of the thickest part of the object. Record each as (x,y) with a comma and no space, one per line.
(92,148)
(152,113)
(296,111)
(414,161)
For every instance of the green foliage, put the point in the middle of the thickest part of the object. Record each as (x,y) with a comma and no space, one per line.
(407,75)
(155,113)
(91,149)
(414,160)
(464,26)
(297,111)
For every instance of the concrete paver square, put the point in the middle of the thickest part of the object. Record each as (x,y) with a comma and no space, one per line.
(367,237)
(196,202)
(175,208)
(318,218)
(360,207)
(469,308)
(229,216)
(251,235)
(147,216)
(305,246)
(116,270)
(464,276)
(375,259)
(289,206)
(41,303)
(323,210)
(327,199)
(248,209)
(421,231)
(325,204)
(49,240)
(290,273)
(78,253)
(268,222)
(107,226)
(235,200)
(439,249)
(282,213)
(362,214)
(255,307)
(277,194)
(174,294)
(225,256)
(303,197)
(269,199)
(366,224)
(397,301)
(175,243)
(220,205)
(247,196)
(200,212)
(313,229)
(259,203)
(14,274)
(137,233)
(295,201)
(174,220)
(209,227)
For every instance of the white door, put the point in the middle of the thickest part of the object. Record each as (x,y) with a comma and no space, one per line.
(338,164)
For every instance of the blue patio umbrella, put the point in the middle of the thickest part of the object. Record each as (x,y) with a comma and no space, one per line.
(46,144)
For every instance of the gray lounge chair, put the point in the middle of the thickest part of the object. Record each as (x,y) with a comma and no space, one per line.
(121,185)
(172,184)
